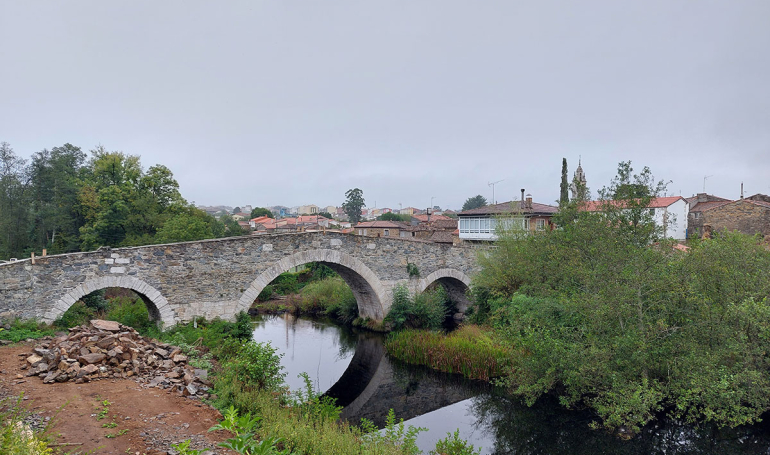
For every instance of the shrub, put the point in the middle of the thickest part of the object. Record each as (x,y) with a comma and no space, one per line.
(266,294)
(243,329)
(77,314)
(331,296)
(454,445)
(96,300)
(256,365)
(131,312)
(21,330)
(286,283)
(426,310)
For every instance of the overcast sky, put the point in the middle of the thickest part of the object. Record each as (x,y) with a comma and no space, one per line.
(295,102)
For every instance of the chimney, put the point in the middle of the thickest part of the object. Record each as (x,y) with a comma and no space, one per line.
(703,197)
(529,201)
(741,194)
(522,199)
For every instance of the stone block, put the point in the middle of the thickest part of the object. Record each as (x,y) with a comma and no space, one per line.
(117,270)
(109,261)
(122,261)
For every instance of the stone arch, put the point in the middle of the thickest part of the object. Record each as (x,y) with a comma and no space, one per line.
(366,286)
(157,305)
(454,281)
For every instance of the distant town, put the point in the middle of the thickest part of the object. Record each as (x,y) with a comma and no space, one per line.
(680,218)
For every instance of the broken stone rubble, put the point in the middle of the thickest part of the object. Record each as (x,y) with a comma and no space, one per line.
(109,350)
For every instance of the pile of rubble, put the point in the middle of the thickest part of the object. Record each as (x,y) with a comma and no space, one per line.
(108,350)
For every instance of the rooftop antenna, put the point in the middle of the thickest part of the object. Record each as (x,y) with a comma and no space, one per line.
(492,184)
(704,181)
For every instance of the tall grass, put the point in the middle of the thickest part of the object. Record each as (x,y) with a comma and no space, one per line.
(16,437)
(470,351)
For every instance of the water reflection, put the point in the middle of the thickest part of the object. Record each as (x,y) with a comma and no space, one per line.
(356,370)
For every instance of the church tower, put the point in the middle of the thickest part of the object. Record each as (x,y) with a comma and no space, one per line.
(578,178)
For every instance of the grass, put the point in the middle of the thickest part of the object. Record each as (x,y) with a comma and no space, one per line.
(329,296)
(471,351)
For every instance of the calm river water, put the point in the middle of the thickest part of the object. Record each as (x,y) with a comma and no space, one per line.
(353,368)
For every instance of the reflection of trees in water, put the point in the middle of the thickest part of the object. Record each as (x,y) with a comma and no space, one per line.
(547,428)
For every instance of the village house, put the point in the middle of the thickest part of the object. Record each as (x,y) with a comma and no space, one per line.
(379,228)
(480,224)
(748,216)
(669,213)
(697,205)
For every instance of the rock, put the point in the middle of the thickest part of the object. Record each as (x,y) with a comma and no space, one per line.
(51,377)
(162,352)
(110,326)
(180,358)
(89,359)
(5,342)
(90,369)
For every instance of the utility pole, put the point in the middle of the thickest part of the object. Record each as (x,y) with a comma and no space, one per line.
(492,184)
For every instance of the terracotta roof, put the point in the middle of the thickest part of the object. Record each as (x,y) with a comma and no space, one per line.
(658,202)
(759,203)
(262,219)
(511,207)
(381,224)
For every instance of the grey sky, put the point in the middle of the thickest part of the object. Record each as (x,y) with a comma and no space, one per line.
(294,102)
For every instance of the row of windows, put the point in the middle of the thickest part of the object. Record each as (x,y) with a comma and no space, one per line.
(483,225)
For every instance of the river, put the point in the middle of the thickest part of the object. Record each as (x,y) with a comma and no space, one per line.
(354,368)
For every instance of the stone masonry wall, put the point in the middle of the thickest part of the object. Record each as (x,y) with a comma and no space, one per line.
(221,277)
(742,216)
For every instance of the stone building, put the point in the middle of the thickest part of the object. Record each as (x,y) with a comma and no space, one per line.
(697,205)
(379,228)
(749,216)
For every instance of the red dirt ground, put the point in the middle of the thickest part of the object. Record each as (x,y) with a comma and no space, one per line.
(162,417)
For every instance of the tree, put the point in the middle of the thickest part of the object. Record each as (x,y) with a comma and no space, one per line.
(353,205)
(325,215)
(236,210)
(474,202)
(390,216)
(564,187)
(261,211)
(14,202)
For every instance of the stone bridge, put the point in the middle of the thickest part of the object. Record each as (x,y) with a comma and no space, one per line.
(219,278)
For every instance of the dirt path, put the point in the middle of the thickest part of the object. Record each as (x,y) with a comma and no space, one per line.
(141,420)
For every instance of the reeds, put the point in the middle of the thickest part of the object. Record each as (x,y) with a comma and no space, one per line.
(470,351)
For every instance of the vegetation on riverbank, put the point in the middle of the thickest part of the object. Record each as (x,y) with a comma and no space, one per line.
(472,351)
(612,317)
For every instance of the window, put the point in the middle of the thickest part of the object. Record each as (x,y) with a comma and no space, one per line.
(386,232)
(526,224)
(540,224)
(696,215)
(652,211)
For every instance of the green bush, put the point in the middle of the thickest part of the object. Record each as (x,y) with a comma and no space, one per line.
(77,314)
(331,296)
(130,312)
(21,330)
(96,300)
(426,310)
(286,283)
(453,444)
(266,294)
(256,365)
(243,329)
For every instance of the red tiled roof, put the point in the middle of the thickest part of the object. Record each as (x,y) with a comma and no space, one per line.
(262,219)
(658,202)
(511,207)
(441,237)
(759,203)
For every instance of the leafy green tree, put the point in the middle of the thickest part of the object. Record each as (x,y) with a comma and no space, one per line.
(353,204)
(564,187)
(326,215)
(14,203)
(185,227)
(232,228)
(628,328)
(236,210)
(261,211)
(474,202)
(390,216)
